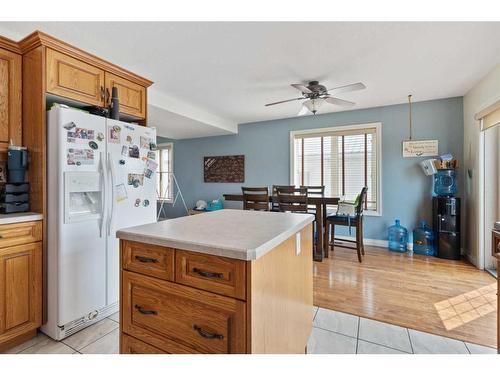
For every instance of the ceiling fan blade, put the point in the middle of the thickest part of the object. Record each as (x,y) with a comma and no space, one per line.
(340,102)
(347,88)
(302,88)
(303,111)
(283,101)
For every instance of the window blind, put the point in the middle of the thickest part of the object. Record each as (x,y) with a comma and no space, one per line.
(164,180)
(342,161)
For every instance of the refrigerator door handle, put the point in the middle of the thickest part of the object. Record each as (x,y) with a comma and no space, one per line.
(112,173)
(103,195)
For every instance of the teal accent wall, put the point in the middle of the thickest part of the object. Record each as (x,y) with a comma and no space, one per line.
(406,191)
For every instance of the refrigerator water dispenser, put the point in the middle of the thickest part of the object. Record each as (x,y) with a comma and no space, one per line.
(82,196)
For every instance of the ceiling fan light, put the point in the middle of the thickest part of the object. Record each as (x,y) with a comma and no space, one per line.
(313,104)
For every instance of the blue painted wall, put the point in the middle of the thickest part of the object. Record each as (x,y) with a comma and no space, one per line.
(406,192)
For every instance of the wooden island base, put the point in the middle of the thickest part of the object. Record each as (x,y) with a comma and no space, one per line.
(177,301)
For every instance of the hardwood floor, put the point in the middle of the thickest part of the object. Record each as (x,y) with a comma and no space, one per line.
(448,298)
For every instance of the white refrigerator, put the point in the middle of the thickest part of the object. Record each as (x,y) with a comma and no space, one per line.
(101,178)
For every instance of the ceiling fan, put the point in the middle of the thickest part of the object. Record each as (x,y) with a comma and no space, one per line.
(316,95)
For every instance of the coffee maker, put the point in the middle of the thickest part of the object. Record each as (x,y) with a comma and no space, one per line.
(14,194)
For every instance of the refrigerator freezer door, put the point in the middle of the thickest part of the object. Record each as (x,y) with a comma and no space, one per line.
(76,210)
(132,176)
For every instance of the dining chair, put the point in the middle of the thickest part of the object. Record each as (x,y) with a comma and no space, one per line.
(255,198)
(292,199)
(318,191)
(351,221)
(274,204)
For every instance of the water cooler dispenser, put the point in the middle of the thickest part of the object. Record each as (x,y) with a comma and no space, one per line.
(446,226)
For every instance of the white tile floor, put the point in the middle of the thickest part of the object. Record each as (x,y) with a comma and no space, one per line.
(339,333)
(333,333)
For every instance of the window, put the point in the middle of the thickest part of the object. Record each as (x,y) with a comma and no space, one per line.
(342,158)
(164,182)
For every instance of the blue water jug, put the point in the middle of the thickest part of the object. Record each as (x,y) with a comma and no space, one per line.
(398,237)
(445,183)
(423,240)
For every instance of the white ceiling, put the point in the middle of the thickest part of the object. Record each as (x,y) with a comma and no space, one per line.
(229,71)
(173,125)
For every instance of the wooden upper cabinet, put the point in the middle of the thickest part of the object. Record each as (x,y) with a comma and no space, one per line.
(132,96)
(10,98)
(20,289)
(74,79)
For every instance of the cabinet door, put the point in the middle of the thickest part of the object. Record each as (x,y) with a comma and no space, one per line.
(131,345)
(10,99)
(20,289)
(74,79)
(132,96)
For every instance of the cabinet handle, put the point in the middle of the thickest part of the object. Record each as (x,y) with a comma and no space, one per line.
(145,312)
(207,335)
(108,96)
(210,275)
(145,259)
(102,92)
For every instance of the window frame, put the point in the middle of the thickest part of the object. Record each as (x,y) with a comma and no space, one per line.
(341,128)
(160,147)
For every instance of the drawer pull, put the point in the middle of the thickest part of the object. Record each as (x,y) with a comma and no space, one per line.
(145,312)
(207,335)
(210,275)
(146,259)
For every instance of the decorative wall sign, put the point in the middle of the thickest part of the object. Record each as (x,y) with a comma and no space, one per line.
(412,149)
(224,168)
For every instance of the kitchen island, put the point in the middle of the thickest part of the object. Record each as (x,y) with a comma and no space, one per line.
(228,281)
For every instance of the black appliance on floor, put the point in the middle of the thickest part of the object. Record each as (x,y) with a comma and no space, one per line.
(446,226)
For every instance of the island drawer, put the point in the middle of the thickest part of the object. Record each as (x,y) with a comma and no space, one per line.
(149,260)
(20,233)
(215,274)
(131,345)
(180,319)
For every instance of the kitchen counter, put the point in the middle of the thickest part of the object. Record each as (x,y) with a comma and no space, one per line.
(236,234)
(228,281)
(19,217)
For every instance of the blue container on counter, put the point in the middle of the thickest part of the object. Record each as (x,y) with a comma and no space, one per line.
(445,183)
(423,240)
(215,205)
(398,237)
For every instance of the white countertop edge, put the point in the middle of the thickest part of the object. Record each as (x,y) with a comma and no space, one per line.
(19,217)
(233,253)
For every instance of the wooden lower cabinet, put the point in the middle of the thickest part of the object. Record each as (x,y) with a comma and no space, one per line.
(20,292)
(216,304)
(130,345)
(179,318)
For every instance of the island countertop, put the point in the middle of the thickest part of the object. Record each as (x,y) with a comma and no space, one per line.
(237,234)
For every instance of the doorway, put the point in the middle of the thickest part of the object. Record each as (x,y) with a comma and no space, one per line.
(491,192)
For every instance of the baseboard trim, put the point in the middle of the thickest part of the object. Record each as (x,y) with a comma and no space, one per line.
(373,242)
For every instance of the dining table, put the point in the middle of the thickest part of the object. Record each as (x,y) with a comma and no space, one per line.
(320,202)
